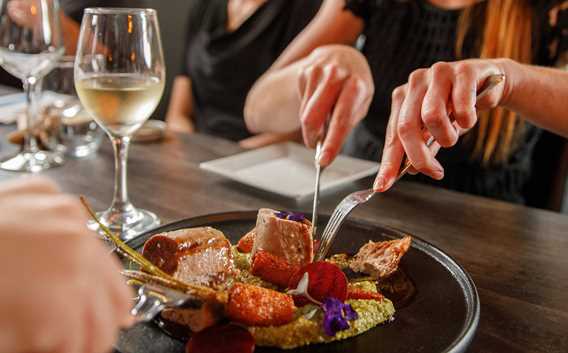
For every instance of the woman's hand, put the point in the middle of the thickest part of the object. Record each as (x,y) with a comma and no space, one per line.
(335,85)
(61,288)
(425,106)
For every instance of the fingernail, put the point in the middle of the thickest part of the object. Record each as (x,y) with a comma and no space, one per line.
(438,172)
(379,184)
(324,158)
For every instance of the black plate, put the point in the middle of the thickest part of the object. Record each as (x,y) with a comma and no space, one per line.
(442,316)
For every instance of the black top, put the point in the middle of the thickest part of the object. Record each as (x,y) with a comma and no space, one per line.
(404,35)
(74,8)
(224,65)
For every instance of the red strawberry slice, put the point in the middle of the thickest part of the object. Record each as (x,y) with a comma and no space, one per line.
(325,280)
(229,338)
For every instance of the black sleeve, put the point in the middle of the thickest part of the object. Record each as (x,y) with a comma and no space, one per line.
(361,8)
(75,8)
(196,13)
(301,12)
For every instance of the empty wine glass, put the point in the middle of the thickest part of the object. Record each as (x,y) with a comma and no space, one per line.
(119,76)
(30,46)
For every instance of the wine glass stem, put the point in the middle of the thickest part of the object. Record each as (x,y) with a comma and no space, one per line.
(30,141)
(120,200)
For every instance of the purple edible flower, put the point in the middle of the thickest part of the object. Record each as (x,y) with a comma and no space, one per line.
(290,216)
(336,316)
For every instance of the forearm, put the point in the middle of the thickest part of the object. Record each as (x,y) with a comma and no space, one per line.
(273,103)
(538,94)
(180,109)
(331,25)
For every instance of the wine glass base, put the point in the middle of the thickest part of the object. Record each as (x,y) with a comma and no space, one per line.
(32,161)
(127,225)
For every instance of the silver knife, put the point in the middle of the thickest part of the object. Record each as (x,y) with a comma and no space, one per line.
(319,170)
(316,189)
(152,298)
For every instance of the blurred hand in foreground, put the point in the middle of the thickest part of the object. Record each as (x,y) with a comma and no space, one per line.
(61,288)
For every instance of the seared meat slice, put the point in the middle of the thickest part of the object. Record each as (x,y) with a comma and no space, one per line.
(287,239)
(209,314)
(246,243)
(380,259)
(194,255)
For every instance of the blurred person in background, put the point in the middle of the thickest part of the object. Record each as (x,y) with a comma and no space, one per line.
(230,44)
(493,159)
(61,287)
(70,19)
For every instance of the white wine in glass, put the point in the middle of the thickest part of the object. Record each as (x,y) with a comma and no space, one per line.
(119,77)
(31,43)
(122,103)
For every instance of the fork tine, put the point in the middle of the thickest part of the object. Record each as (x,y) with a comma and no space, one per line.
(330,230)
(336,220)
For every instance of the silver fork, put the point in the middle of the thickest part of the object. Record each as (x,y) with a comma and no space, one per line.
(344,209)
(359,197)
(153,298)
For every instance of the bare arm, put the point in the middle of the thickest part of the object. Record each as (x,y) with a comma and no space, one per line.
(539,94)
(180,109)
(331,25)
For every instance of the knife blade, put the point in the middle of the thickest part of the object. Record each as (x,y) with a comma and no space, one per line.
(316,189)
(319,171)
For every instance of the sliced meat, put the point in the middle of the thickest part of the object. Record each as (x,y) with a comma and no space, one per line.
(380,259)
(288,239)
(193,255)
(246,243)
(198,319)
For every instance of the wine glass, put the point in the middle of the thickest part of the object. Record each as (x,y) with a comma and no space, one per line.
(31,43)
(119,76)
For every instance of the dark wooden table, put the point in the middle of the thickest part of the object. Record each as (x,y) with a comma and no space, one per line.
(518,257)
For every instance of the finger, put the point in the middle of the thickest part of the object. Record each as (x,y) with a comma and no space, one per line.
(346,114)
(393,152)
(122,294)
(434,148)
(492,98)
(27,186)
(74,340)
(308,82)
(464,95)
(319,105)
(100,321)
(434,112)
(410,129)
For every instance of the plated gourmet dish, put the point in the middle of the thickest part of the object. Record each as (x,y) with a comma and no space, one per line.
(266,290)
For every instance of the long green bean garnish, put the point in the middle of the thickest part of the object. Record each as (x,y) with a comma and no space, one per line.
(137,258)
